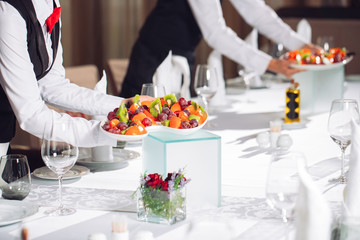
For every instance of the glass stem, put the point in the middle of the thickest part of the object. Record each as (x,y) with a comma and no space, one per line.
(205,102)
(342,174)
(60,193)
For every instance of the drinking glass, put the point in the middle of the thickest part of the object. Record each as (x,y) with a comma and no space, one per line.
(153,90)
(283,181)
(339,126)
(15,180)
(205,83)
(59,156)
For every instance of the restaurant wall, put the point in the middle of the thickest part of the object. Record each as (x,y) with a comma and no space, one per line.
(96,30)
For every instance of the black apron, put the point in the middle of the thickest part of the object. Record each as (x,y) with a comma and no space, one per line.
(39,58)
(170,26)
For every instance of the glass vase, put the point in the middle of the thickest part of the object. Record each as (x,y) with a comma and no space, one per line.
(164,207)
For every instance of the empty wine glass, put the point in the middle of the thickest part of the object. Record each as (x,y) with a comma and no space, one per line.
(153,90)
(59,156)
(283,181)
(205,83)
(15,178)
(339,126)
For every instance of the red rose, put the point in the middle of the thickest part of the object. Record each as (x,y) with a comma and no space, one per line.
(164,185)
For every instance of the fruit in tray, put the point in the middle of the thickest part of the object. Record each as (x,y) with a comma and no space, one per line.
(306,56)
(132,119)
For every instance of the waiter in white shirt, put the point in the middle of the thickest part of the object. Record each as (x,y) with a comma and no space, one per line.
(178,25)
(32,74)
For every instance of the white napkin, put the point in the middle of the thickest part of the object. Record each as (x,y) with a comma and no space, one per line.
(3,148)
(304,29)
(215,60)
(352,194)
(101,153)
(253,77)
(313,214)
(174,74)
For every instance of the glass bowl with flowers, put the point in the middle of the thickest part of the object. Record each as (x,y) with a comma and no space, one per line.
(162,200)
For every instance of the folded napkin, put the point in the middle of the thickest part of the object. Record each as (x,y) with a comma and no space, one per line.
(215,61)
(253,78)
(3,148)
(352,195)
(174,74)
(304,29)
(313,214)
(101,153)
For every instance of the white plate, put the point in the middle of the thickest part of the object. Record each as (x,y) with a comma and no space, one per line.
(120,160)
(321,66)
(12,211)
(75,172)
(120,137)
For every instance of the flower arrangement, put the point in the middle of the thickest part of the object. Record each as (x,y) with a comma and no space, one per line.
(162,200)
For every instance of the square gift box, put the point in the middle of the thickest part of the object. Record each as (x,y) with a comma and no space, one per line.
(200,156)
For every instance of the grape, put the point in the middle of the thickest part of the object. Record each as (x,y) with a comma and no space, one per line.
(194,123)
(111,116)
(189,103)
(145,107)
(183,103)
(187,112)
(121,126)
(132,124)
(139,110)
(185,125)
(115,110)
(162,117)
(171,114)
(116,131)
(106,126)
(146,122)
(166,110)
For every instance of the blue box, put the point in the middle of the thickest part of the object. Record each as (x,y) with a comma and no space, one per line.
(200,155)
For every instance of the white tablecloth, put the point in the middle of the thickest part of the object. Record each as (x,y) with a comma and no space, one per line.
(244,210)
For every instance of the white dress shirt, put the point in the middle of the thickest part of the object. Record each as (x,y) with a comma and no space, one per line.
(209,16)
(28,96)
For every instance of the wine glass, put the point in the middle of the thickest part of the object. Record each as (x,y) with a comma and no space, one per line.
(205,83)
(339,126)
(15,180)
(153,90)
(283,181)
(59,156)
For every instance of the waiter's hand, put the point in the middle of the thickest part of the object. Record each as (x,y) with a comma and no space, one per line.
(282,66)
(141,97)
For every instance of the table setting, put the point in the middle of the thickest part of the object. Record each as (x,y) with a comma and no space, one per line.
(231,189)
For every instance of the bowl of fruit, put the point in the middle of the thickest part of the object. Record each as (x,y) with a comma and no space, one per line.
(133,121)
(309,60)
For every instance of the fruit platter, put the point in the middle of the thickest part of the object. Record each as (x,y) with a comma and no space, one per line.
(133,121)
(309,60)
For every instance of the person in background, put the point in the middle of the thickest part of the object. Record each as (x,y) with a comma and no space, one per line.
(32,74)
(179,25)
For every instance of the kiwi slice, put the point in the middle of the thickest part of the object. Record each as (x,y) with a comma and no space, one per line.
(155,107)
(122,113)
(136,99)
(192,116)
(166,123)
(170,99)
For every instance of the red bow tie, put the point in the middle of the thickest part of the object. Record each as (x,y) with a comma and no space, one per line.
(53,19)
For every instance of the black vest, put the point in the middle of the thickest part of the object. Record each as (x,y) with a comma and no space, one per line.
(38,56)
